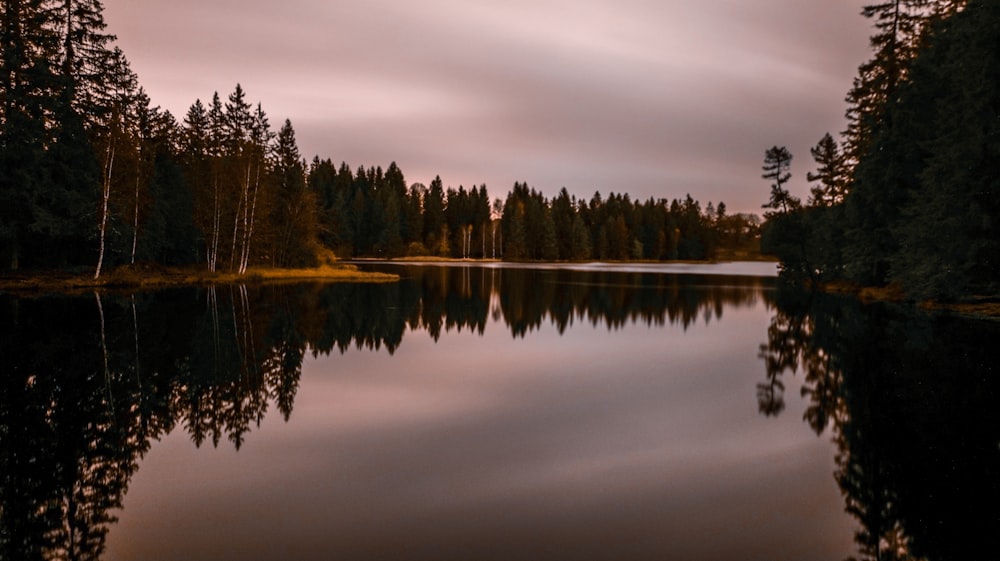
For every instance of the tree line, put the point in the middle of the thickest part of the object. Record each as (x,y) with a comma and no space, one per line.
(908,197)
(93,175)
(373,213)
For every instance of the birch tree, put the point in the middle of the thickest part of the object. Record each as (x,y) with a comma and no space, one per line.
(216,135)
(112,139)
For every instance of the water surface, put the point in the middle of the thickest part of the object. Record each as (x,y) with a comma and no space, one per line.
(465,413)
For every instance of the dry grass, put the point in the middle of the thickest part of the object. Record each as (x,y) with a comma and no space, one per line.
(983,309)
(149,277)
(976,306)
(321,273)
(434,259)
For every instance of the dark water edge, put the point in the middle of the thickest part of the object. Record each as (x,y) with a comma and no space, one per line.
(911,401)
(91,384)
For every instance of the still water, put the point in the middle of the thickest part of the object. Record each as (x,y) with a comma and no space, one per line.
(496,413)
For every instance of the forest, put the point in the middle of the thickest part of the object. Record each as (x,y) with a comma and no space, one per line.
(909,198)
(93,175)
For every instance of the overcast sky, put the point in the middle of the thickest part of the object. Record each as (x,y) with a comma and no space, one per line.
(655,98)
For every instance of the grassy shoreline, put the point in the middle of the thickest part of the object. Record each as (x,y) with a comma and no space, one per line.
(980,307)
(144,277)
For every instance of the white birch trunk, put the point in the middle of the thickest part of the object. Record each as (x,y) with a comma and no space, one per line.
(135,219)
(105,197)
(214,250)
(135,331)
(236,228)
(104,350)
(248,231)
(246,220)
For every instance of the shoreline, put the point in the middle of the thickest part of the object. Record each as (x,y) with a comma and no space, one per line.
(145,277)
(978,307)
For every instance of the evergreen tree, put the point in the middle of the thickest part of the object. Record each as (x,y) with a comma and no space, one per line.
(831,173)
(563,210)
(196,139)
(690,242)
(549,242)
(342,215)
(30,97)
(294,210)
(515,243)
(898,25)
(85,50)
(948,230)
(786,232)
(322,182)
(434,219)
(581,240)
(777,161)
(884,178)
(415,219)
(392,197)
(480,200)
(171,235)
(457,214)
(63,204)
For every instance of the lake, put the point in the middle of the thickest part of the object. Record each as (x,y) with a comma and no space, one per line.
(497,412)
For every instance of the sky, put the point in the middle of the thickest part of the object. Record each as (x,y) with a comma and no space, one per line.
(654,98)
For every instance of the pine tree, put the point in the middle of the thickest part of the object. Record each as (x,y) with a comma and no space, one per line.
(514,225)
(30,94)
(777,161)
(198,161)
(92,68)
(294,212)
(392,197)
(831,173)
(785,234)
(900,27)
(481,215)
(948,230)
(434,219)
(415,218)
(170,236)
(581,240)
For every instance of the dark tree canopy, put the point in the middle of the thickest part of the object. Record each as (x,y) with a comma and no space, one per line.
(912,200)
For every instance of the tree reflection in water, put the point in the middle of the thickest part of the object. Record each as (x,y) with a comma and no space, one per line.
(911,401)
(87,383)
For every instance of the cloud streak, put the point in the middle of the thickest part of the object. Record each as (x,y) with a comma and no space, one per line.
(656,99)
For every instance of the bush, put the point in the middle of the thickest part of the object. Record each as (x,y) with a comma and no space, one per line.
(416,249)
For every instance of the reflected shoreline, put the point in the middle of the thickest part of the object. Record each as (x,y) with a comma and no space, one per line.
(910,400)
(88,383)
(758,269)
